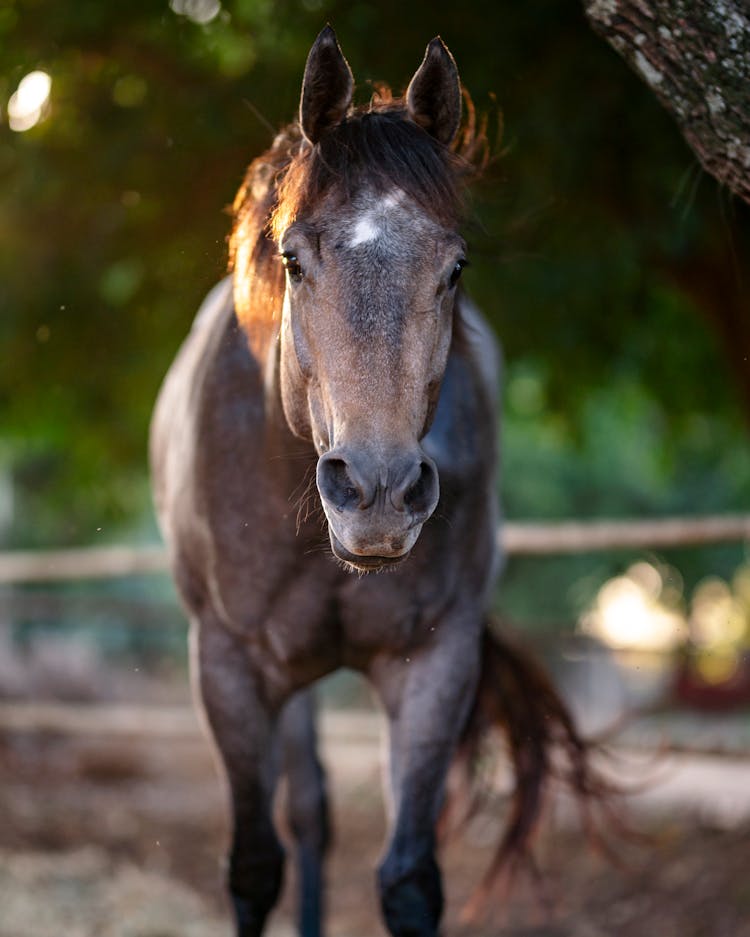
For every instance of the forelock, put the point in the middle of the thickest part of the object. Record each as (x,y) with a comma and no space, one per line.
(379,150)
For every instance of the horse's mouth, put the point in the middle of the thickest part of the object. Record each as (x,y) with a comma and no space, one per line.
(364,562)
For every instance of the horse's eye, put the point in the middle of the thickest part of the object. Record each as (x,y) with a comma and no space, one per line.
(456,272)
(292,265)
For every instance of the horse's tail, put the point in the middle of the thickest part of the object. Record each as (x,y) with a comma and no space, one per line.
(516,695)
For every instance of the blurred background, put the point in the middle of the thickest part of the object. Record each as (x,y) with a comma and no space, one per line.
(613,269)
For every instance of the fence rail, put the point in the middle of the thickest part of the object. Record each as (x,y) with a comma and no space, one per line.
(86,563)
(589,536)
(724,737)
(516,538)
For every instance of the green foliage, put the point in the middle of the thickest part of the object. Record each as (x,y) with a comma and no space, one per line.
(623,397)
(626,454)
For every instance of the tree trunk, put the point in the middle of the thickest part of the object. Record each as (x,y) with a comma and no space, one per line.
(695,56)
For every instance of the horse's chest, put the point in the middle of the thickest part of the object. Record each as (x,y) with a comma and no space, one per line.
(289,635)
(395,612)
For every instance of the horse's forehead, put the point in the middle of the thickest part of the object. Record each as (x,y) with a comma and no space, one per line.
(390,223)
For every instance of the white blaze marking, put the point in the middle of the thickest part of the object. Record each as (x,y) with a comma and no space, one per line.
(393,199)
(369,227)
(365,230)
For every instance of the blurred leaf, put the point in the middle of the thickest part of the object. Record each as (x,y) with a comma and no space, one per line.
(611,267)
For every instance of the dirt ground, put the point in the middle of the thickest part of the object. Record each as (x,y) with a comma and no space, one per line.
(119,836)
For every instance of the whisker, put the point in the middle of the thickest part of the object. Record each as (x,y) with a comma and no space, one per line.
(294,455)
(306,500)
(319,549)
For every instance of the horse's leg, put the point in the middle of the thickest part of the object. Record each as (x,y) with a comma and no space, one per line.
(307,807)
(427,695)
(243,725)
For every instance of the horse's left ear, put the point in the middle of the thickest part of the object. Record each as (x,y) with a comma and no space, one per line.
(433,98)
(326,88)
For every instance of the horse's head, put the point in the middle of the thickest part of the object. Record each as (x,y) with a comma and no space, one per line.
(366,227)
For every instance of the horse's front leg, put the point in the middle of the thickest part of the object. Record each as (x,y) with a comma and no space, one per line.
(307,807)
(427,694)
(243,724)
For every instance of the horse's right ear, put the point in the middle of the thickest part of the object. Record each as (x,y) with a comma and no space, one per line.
(326,88)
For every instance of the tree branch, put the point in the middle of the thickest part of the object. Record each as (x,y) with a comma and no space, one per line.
(695,56)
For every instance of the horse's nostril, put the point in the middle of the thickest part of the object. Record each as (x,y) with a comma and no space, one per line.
(344,486)
(417,491)
(421,495)
(336,485)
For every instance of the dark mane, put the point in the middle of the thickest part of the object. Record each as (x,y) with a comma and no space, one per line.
(377,144)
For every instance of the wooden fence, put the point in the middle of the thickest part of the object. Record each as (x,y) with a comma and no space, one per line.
(516,538)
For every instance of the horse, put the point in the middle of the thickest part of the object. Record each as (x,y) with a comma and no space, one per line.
(324,469)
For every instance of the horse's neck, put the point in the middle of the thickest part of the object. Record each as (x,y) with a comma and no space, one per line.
(474,335)
(260,336)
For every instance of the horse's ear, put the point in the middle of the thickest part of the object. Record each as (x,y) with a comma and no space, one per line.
(433,98)
(326,88)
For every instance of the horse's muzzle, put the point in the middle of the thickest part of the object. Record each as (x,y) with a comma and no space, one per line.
(376,508)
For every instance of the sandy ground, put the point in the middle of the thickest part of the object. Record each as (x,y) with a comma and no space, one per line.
(113,835)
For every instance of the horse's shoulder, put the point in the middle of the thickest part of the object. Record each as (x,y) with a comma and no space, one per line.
(213,359)
(215,306)
(212,378)
(220,357)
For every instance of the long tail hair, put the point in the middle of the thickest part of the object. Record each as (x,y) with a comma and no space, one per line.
(516,695)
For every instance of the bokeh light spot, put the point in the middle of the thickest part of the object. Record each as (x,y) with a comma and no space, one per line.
(629,613)
(28,103)
(199,11)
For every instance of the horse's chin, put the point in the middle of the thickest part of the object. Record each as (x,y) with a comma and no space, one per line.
(364,563)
